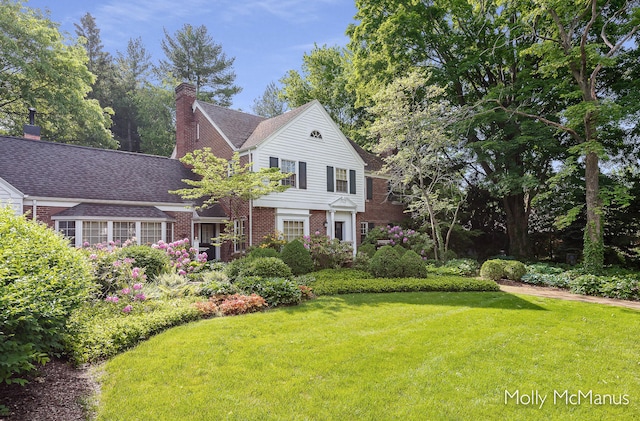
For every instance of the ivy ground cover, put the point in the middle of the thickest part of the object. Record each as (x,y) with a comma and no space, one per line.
(409,356)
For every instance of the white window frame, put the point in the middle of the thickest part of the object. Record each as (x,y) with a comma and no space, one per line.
(300,228)
(345,180)
(293,179)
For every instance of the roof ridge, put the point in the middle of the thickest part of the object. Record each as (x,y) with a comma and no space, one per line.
(73,145)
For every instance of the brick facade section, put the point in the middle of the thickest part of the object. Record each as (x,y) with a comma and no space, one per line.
(264,223)
(316,222)
(182,225)
(379,210)
(44,213)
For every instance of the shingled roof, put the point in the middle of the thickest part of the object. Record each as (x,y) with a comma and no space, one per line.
(236,125)
(48,169)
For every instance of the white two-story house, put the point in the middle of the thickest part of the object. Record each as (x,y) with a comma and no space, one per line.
(335,188)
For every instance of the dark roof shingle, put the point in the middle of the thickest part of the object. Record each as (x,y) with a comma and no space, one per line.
(47,169)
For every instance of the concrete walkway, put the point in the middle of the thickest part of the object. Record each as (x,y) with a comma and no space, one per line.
(524,289)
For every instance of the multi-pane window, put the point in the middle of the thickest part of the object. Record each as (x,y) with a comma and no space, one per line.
(150,232)
(239,230)
(292,230)
(94,232)
(287,166)
(342,182)
(68,229)
(123,231)
(315,134)
(364,230)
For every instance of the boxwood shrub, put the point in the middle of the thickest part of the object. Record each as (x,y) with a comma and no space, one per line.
(267,267)
(42,279)
(492,269)
(297,257)
(385,263)
(275,291)
(412,265)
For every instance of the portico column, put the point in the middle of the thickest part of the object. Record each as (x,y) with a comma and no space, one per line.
(353,232)
(332,224)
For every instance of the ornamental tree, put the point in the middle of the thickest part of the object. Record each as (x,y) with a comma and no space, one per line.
(229,183)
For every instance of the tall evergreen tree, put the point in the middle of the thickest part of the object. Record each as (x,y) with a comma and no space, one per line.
(100,62)
(193,56)
(270,104)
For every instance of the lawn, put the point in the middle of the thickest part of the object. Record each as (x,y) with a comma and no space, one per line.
(404,356)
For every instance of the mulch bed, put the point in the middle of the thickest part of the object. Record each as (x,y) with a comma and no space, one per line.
(56,392)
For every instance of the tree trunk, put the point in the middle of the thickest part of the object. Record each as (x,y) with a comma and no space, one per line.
(593,248)
(517,214)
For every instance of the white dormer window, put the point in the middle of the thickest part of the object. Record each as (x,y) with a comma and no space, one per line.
(315,134)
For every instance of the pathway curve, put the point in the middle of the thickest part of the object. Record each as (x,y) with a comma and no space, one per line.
(517,288)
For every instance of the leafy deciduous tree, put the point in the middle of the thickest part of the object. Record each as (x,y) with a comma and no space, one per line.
(40,69)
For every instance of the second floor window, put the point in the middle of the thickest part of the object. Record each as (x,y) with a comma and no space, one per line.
(342,182)
(287,166)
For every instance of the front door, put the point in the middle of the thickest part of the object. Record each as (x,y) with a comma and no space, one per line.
(207,233)
(339,230)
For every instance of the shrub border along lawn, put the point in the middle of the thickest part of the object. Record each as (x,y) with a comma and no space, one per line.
(331,282)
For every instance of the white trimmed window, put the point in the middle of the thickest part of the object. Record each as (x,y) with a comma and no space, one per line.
(342,182)
(94,232)
(68,229)
(123,231)
(315,134)
(287,166)
(240,233)
(150,232)
(292,229)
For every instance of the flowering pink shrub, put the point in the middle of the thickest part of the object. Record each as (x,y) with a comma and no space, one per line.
(129,295)
(327,253)
(184,259)
(407,238)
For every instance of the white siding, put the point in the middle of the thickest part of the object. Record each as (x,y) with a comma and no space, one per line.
(9,196)
(294,143)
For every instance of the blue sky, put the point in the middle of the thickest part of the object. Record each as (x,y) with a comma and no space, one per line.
(266,37)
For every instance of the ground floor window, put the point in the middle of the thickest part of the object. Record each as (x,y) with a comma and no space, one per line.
(68,229)
(240,234)
(364,230)
(123,231)
(94,232)
(292,229)
(150,232)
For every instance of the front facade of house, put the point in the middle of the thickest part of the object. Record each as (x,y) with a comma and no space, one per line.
(334,189)
(95,195)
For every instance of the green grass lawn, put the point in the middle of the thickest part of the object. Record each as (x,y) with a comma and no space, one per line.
(397,356)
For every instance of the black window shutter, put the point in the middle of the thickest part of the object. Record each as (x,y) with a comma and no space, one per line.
(352,181)
(330,178)
(302,170)
(369,188)
(273,162)
(372,225)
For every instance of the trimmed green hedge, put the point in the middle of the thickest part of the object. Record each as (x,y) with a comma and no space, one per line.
(338,285)
(100,330)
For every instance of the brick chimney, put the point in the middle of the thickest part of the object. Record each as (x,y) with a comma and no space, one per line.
(31,131)
(185,122)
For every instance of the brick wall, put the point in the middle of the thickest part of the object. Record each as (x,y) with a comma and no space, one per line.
(316,222)
(264,223)
(379,210)
(182,225)
(44,213)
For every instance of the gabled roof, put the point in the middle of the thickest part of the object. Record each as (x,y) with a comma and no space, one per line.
(235,125)
(267,127)
(47,169)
